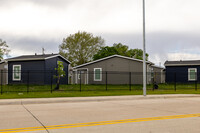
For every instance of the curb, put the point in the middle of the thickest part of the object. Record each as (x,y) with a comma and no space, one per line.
(91,99)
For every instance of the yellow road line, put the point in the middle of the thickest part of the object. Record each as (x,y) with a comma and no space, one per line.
(97,123)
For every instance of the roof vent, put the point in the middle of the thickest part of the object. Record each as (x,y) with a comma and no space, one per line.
(43,51)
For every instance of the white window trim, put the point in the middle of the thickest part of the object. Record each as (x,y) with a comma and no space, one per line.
(100,74)
(189,78)
(14,73)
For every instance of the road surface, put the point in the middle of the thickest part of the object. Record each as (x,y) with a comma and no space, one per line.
(174,115)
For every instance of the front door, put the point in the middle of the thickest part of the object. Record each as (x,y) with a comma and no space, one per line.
(82,77)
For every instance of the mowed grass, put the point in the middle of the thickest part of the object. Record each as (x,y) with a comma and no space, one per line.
(44,91)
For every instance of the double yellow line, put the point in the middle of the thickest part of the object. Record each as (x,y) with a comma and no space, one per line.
(97,123)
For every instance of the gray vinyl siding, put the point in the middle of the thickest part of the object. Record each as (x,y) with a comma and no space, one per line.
(159,75)
(4,73)
(117,71)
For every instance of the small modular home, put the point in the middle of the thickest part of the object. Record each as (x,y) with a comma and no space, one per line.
(158,74)
(115,69)
(182,71)
(3,72)
(36,69)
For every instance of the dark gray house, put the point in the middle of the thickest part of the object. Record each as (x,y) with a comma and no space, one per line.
(116,69)
(35,69)
(182,71)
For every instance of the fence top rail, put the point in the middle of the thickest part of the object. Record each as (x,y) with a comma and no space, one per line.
(114,72)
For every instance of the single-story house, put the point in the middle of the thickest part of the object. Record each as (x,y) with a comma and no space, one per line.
(3,72)
(158,74)
(182,71)
(115,69)
(35,69)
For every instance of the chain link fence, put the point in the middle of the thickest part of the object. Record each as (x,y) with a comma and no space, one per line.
(45,81)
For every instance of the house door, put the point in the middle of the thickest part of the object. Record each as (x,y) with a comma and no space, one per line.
(82,77)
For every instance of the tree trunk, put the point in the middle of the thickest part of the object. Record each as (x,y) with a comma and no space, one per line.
(57,84)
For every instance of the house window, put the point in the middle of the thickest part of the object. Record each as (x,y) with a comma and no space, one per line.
(192,74)
(16,72)
(97,74)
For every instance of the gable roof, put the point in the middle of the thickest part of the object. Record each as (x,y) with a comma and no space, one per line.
(124,57)
(35,57)
(160,67)
(3,61)
(182,63)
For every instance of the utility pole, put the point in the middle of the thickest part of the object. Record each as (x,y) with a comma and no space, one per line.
(144,53)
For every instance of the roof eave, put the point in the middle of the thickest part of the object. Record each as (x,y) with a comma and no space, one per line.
(57,56)
(182,64)
(9,60)
(32,59)
(158,67)
(109,58)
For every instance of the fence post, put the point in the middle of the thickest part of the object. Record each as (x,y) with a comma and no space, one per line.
(196,85)
(153,80)
(175,81)
(1,82)
(196,81)
(80,80)
(129,81)
(51,81)
(27,81)
(106,81)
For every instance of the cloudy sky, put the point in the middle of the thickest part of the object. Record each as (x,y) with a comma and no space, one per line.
(172,26)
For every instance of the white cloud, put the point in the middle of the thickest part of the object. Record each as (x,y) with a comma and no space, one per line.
(172,25)
(50,18)
(183,56)
(173,15)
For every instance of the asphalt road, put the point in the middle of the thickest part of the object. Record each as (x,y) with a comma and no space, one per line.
(174,115)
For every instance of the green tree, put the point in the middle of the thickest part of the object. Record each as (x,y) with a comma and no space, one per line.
(119,49)
(137,54)
(3,49)
(104,52)
(60,73)
(80,47)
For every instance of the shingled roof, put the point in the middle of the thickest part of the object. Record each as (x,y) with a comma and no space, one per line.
(35,57)
(182,63)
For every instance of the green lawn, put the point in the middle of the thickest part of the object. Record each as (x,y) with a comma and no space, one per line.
(37,91)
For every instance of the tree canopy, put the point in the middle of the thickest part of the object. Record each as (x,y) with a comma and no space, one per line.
(119,49)
(3,49)
(80,47)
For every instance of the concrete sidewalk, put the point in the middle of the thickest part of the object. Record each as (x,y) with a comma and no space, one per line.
(90,99)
